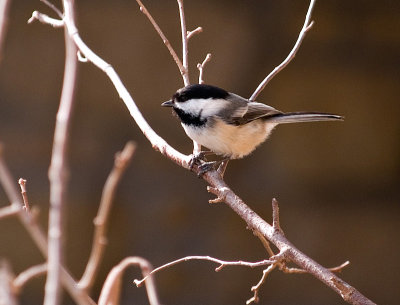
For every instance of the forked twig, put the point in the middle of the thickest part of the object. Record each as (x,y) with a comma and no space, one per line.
(221,263)
(306,27)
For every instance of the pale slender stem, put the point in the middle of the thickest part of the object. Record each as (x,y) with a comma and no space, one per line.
(205,258)
(201,68)
(307,25)
(110,292)
(7,293)
(171,50)
(4,7)
(122,161)
(58,172)
(22,184)
(10,210)
(185,50)
(28,274)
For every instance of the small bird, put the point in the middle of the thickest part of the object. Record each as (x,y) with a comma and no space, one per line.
(228,124)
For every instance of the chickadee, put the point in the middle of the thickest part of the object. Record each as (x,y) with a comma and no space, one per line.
(228,124)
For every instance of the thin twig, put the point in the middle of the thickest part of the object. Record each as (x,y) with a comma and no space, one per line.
(58,171)
(201,67)
(185,50)
(43,18)
(197,30)
(27,275)
(257,287)
(10,210)
(111,289)
(4,7)
(7,294)
(164,39)
(275,215)
(206,258)
(122,161)
(22,184)
(54,8)
(306,27)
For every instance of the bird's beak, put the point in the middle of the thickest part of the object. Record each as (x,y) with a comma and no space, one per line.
(169,103)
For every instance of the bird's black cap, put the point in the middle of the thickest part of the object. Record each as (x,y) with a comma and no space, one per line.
(199,91)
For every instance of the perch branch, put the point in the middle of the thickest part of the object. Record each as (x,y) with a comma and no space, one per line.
(306,27)
(111,288)
(218,186)
(58,171)
(122,160)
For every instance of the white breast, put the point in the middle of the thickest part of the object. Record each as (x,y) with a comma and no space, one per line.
(229,140)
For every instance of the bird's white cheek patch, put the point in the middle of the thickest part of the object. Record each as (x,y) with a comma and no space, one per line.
(203,107)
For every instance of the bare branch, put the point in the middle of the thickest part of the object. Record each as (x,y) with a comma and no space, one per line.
(185,50)
(10,210)
(201,67)
(58,171)
(218,186)
(205,258)
(22,184)
(54,8)
(7,295)
(4,7)
(43,18)
(306,27)
(171,50)
(30,273)
(275,215)
(122,161)
(111,288)
(197,30)
(257,287)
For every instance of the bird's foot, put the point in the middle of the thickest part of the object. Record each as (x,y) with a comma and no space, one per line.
(206,167)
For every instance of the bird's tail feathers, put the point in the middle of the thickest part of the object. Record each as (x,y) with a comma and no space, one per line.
(297,117)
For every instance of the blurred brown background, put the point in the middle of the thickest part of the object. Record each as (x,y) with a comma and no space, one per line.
(337,183)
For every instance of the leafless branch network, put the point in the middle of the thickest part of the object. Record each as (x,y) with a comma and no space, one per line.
(52,249)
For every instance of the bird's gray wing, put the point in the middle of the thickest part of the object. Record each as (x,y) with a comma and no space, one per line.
(257,110)
(241,111)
